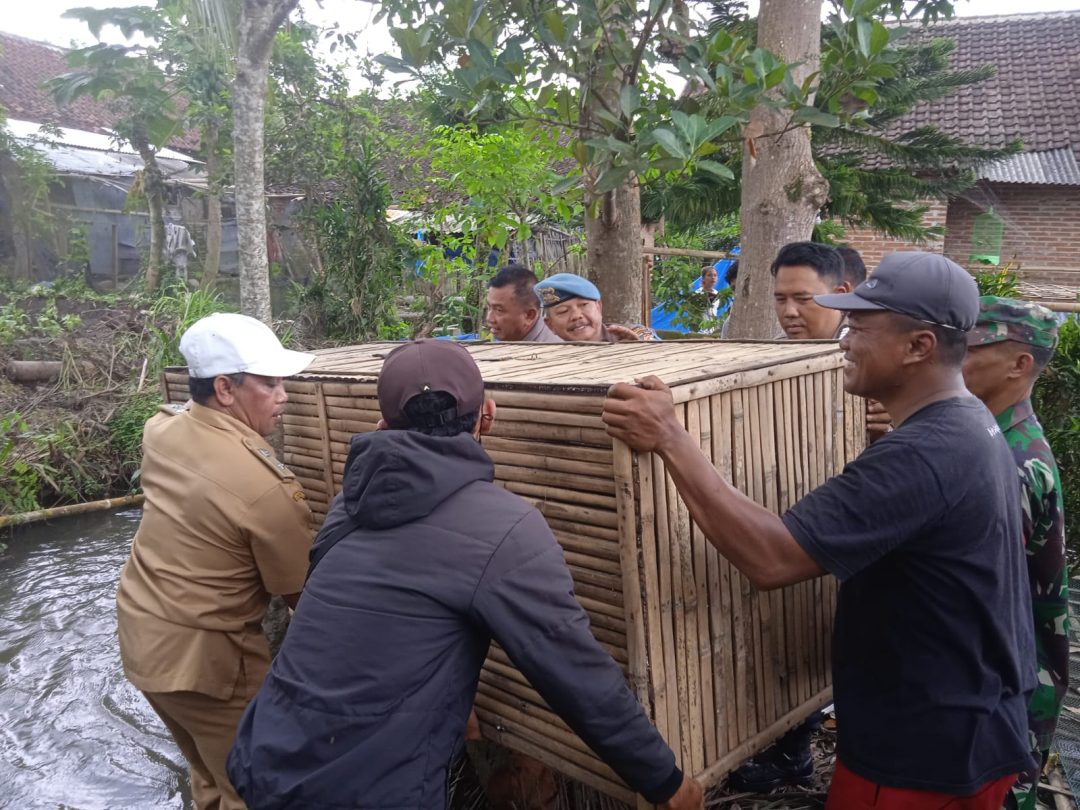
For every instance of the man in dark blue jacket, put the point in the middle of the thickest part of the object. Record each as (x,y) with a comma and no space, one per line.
(421,562)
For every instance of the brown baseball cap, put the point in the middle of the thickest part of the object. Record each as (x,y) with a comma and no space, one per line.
(429,365)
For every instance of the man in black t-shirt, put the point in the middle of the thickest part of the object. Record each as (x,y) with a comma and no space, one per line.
(933,641)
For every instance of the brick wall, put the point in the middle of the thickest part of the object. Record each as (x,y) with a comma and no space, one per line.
(873,245)
(1042,230)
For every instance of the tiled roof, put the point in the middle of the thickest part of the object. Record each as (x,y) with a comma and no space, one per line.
(1035,94)
(25,65)
(1054,167)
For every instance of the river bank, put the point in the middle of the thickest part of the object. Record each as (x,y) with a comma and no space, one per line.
(75,436)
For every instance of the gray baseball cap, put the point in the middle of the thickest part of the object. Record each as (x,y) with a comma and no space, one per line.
(924,286)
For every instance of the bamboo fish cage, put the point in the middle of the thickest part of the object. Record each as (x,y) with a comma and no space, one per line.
(721,668)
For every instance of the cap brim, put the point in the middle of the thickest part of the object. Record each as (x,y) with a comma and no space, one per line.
(286,363)
(849,302)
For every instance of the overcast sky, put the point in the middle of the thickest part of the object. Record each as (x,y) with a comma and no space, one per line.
(41,20)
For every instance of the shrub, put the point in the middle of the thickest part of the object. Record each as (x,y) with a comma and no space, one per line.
(1055,399)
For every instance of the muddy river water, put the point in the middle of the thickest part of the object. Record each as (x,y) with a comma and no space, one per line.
(74,734)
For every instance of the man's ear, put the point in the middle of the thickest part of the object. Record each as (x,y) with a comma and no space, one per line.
(487,416)
(600,308)
(843,288)
(921,346)
(1022,366)
(224,390)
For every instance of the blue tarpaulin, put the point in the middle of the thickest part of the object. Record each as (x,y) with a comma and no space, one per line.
(665,319)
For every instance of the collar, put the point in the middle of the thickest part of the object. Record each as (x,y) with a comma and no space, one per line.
(221,421)
(1014,415)
(537,328)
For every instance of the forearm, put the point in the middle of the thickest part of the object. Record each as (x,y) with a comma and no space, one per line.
(751,537)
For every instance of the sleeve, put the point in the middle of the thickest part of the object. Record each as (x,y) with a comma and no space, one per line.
(526,600)
(279,528)
(1044,538)
(882,500)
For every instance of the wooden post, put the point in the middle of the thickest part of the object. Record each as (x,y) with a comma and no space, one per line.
(115,257)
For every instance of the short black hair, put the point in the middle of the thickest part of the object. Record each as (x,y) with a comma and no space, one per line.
(1042,355)
(824,259)
(854,266)
(951,343)
(426,413)
(200,389)
(732,273)
(523,280)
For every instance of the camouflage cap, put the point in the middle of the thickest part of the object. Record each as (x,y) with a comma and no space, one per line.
(1011,319)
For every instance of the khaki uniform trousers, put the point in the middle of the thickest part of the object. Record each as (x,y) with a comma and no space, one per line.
(204,729)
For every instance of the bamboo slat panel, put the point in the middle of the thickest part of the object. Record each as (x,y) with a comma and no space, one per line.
(720,668)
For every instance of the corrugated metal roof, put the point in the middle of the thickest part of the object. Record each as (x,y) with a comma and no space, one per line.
(1056,167)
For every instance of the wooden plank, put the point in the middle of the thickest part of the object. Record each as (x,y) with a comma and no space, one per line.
(647,481)
(691,649)
(627,494)
(721,614)
(538,747)
(759,602)
(664,656)
(777,669)
(548,494)
(328,466)
(740,589)
(701,588)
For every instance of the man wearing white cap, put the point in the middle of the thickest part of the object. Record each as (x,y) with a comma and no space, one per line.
(224,526)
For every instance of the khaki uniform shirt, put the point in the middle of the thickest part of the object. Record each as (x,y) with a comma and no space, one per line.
(540,333)
(224,526)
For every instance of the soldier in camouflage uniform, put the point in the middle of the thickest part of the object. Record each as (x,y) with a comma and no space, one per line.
(1010,345)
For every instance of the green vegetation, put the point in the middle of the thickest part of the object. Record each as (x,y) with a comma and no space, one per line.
(1056,395)
(79,438)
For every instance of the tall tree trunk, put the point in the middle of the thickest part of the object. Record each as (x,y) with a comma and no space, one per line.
(259,21)
(154,189)
(613,242)
(782,190)
(212,260)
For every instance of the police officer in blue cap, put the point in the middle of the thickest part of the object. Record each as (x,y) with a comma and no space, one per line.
(573,311)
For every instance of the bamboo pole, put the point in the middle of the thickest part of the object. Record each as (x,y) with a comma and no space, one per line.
(37,515)
(687,252)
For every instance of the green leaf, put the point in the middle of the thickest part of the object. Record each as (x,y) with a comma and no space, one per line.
(863,30)
(671,143)
(815,117)
(879,38)
(474,16)
(667,164)
(719,126)
(512,59)
(564,103)
(547,93)
(611,178)
(480,55)
(566,184)
(716,169)
(629,100)
(607,118)
(581,152)
(553,21)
